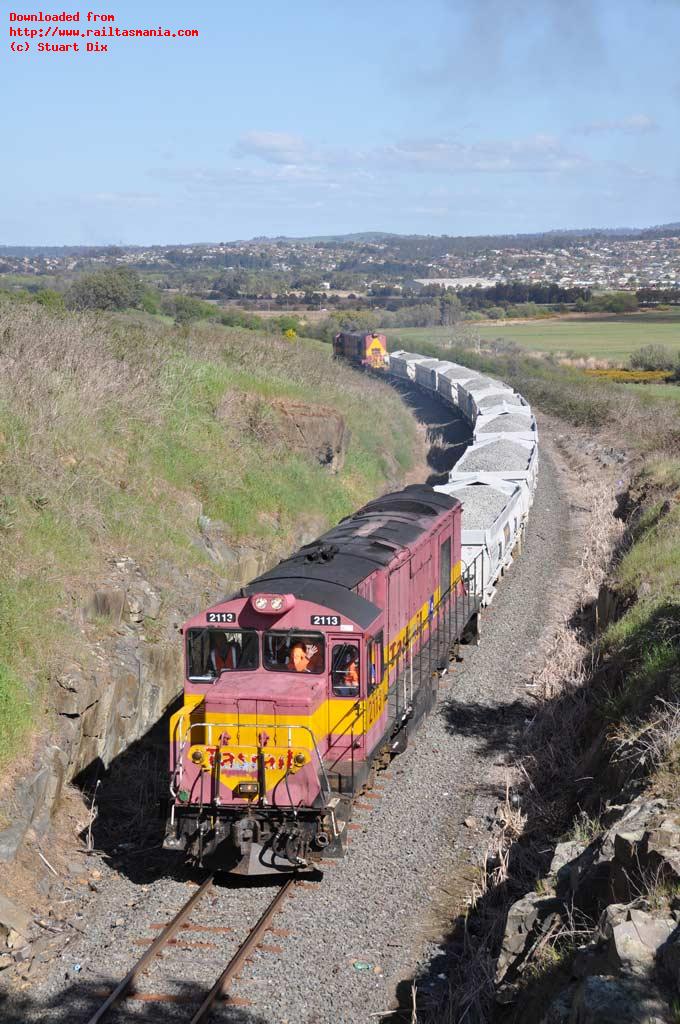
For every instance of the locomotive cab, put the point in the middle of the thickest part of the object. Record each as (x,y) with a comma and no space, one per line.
(271,736)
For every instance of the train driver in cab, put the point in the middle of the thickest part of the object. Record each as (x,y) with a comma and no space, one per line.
(225,654)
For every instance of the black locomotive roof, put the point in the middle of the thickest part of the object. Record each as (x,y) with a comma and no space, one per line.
(328,595)
(340,559)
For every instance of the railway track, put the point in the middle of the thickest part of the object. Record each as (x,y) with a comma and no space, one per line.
(127,988)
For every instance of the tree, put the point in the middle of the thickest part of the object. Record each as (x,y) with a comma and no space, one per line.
(451,309)
(112,288)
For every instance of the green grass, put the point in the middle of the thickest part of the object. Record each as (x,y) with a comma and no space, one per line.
(654,392)
(612,338)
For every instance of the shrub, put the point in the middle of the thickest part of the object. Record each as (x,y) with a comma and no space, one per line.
(50,300)
(651,357)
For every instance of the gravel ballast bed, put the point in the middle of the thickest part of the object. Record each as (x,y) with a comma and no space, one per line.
(495,457)
(380,906)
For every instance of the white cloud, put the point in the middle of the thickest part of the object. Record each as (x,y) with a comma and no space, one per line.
(634,124)
(536,154)
(125,198)
(273,147)
(291,157)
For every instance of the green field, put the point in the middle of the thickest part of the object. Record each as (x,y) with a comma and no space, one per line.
(611,338)
(655,392)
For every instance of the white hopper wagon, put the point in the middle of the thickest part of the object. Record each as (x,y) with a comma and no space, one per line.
(508,421)
(508,459)
(402,364)
(450,380)
(427,373)
(492,527)
(476,398)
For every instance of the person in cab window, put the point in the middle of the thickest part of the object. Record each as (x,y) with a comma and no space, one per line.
(225,655)
(315,656)
(298,659)
(346,674)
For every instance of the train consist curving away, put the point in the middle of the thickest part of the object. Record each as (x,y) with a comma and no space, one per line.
(309,679)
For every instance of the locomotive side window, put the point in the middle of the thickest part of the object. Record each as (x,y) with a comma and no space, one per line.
(374,660)
(294,652)
(445,567)
(210,652)
(345,670)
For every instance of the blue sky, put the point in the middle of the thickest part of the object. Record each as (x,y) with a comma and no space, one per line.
(316,118)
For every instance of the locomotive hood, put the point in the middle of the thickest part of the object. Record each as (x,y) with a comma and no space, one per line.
(271,696)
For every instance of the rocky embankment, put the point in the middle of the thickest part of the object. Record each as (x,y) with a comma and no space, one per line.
(133,669)
(597,834)
(615,903)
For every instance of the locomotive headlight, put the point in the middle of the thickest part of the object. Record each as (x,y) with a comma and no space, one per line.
(197,756)
(247,789)
(261,603)
(299,760)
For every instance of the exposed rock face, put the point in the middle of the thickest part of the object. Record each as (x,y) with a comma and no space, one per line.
(321,431)
(621,975)
(103,706)
(318,431)
(601,1000)
(528,919)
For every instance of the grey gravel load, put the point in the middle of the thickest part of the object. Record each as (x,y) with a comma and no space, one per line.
(492,400)
(494,457)
(507,423)
(482,505)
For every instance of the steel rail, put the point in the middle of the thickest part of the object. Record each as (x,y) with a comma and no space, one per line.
(168,932)
(241,954)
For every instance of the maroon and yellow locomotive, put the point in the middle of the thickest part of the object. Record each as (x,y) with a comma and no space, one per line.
(309,678)
(367,350)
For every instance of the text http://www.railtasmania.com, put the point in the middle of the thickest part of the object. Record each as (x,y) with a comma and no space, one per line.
(74,32)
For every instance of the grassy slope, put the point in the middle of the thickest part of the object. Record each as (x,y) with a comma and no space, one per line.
(109,439)
(613,338)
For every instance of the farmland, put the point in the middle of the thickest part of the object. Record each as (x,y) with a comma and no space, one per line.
(651,393)
(611,338)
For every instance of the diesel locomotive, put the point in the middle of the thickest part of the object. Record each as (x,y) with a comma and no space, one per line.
(366,350)
(300,686)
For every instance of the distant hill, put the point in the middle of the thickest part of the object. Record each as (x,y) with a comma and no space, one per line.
(423,246)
